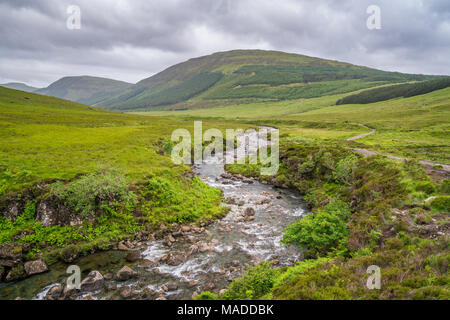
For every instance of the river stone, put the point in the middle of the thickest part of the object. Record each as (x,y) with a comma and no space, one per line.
(54,293)
(93,282)
(16,273)
(172,287)
(35,267)
(122,247)
(126,293)
(10,254)
(126,273)
(133,256)
(175,259)
(249,211)
(185,229)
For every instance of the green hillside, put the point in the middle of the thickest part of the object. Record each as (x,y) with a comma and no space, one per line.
(19,86)
(97,163)
(248,76)
(402,90)
(84,89)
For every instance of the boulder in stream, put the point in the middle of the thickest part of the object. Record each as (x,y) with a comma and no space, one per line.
(249,211)
(126,273)
(35,267)
(93,282)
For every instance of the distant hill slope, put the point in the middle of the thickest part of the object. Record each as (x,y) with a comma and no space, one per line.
(248,76)
(84,89)
(395,91)
(19,86)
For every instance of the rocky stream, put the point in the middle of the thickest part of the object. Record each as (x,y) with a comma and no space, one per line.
(190,260)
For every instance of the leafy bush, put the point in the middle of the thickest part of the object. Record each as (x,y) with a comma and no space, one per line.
(345,169)
(207,296)
(445,186)
(441,203)
(321,232)
(258,282)
(88,193)
(428,187)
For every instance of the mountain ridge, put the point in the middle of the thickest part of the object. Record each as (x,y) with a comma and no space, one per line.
(249,75)
(19,86)
(84,89)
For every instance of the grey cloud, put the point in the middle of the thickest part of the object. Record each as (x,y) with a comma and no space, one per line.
(133,39)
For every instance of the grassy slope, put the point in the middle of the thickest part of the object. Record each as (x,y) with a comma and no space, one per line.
(248,76)
(45,139)
(84,89)
(365,212)
(415,127)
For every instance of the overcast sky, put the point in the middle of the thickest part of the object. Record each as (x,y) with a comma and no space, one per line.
(133,39)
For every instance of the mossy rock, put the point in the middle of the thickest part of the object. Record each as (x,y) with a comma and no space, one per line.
(2,272)
(16,273)
(70,253)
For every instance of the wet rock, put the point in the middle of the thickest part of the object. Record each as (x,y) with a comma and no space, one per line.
(2,272)
(185,229)
(209,287)
(126,273)
(108,276)
(55,293)
(172,287)
(126,293)
(175,259)
(235,263)
(35,267)
(51,212)
(249,211)
(145,264)
(10,254)
(16,273)
(192,250)
(230,200)
(133,256)
(241,203)
(122,247)
(93,282)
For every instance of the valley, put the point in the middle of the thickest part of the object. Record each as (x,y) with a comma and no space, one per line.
(363,180)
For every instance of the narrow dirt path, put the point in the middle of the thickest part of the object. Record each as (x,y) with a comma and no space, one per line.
(363,134)
(368,153)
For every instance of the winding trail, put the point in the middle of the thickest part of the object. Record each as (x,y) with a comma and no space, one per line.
(368,153)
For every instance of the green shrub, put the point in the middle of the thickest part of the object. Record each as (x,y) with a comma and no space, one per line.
(345,169)
(428,187)
(322,232)
(445,186)
(89,193)
(441,203)
(207,296)
(258,282)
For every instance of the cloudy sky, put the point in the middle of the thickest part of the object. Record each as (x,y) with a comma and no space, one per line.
(133,39)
